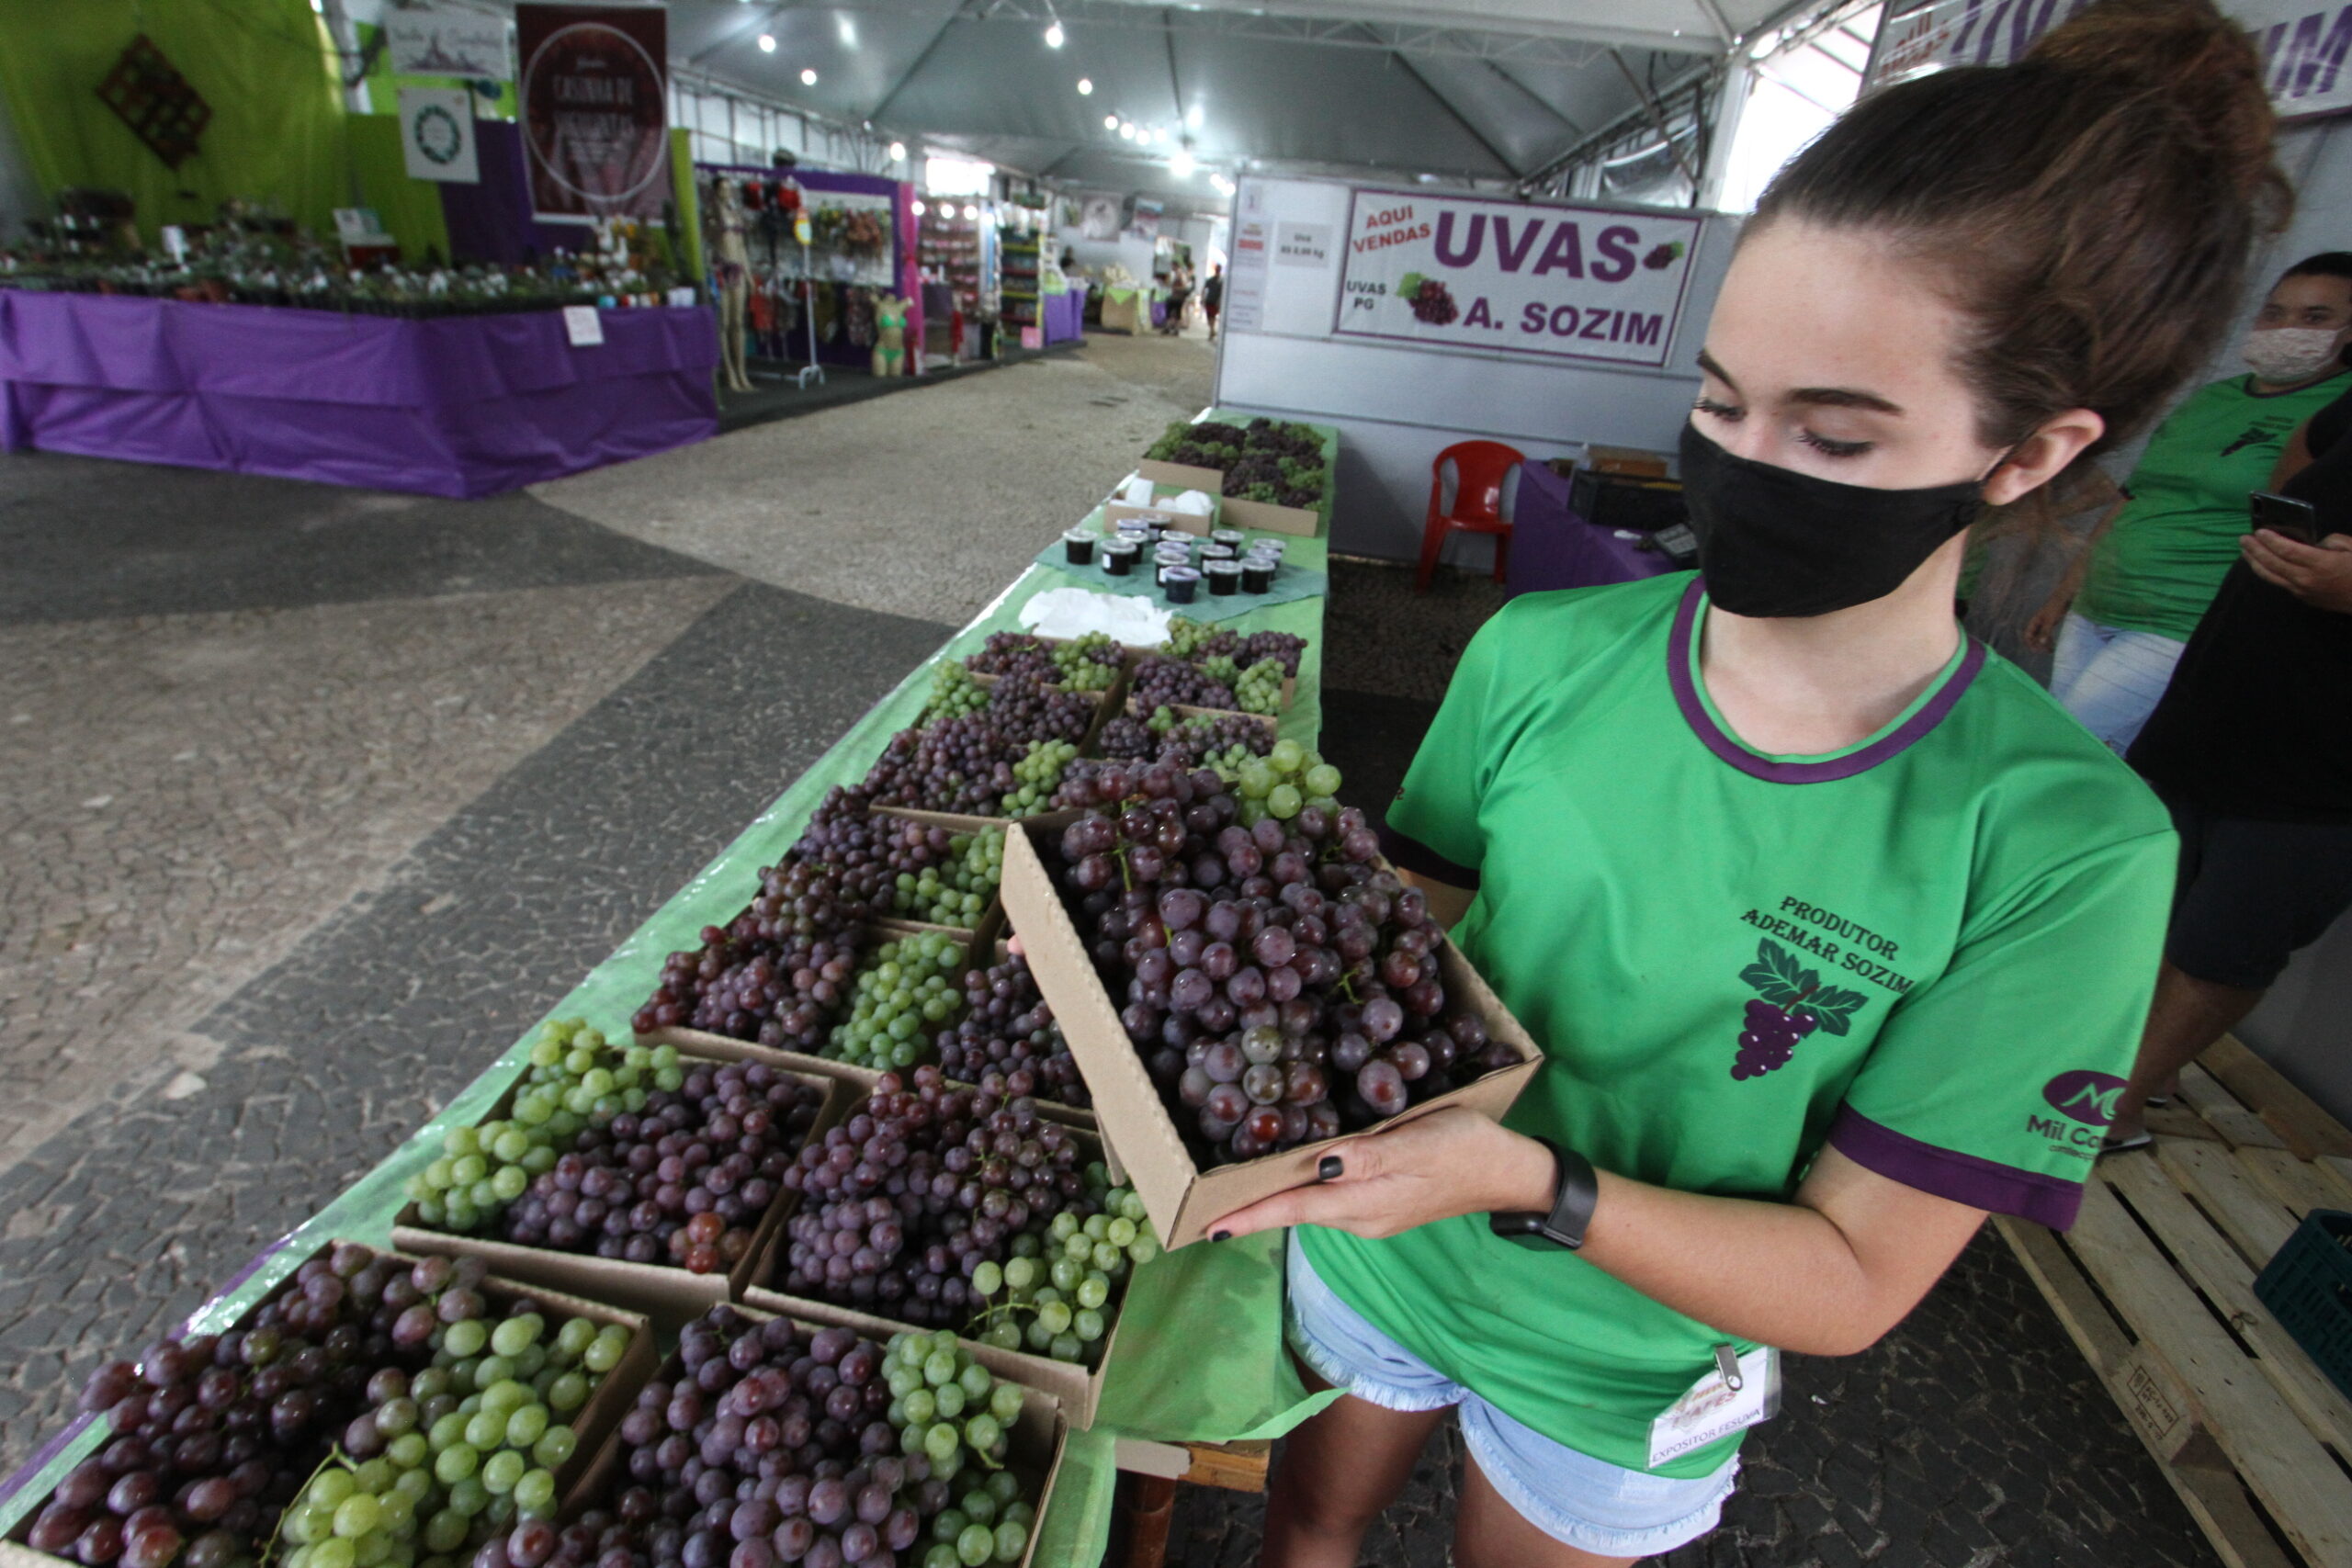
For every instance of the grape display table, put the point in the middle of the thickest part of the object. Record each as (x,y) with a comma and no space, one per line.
(456,406)
(1199,1367)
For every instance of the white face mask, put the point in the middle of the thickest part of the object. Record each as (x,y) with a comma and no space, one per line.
(2284,355)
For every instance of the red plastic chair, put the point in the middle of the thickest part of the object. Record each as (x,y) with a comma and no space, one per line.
(1479,469)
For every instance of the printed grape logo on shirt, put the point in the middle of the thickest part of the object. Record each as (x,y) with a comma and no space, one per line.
(1794,1004)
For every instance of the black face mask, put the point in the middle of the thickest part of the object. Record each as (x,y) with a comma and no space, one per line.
(1773,542)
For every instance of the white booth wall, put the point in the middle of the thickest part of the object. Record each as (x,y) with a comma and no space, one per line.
(1397,406)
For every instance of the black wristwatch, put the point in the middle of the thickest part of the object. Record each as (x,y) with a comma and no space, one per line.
(1575,1189)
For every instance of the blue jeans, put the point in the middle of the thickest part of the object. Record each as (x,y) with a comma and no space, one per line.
(1587,1503)
(2110,680)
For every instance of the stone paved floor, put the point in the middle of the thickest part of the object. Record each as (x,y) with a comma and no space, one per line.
(310,799)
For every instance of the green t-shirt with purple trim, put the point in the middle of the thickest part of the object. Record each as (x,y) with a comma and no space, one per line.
(1932,951)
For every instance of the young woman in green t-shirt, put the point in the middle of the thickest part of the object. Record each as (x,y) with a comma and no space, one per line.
(1838,934)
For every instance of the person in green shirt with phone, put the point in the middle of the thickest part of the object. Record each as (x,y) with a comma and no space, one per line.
(1837,933)
(2126,609)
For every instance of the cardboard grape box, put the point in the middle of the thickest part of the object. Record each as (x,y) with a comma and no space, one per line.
(1183,1199)
(1077,1387)
(1183,476)
(665,1291)
(1037,1438)
(1305,522)
(862,1079)
(594,1424)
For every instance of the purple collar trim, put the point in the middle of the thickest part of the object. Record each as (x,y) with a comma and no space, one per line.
(1702,722)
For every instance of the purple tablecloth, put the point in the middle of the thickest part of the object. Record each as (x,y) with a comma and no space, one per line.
(461,406)
(1063,315)
(1552,546)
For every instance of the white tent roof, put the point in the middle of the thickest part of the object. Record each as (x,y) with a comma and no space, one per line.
(1456,89)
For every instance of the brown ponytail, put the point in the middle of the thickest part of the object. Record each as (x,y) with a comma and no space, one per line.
(2091,209)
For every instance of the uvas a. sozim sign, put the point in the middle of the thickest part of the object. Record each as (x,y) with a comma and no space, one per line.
(1567,282)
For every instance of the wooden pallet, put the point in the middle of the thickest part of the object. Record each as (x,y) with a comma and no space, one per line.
(2155,1284)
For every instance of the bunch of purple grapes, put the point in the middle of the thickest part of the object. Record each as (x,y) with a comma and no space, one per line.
(1433,302)
(772,1447)
(866,852)
(686,1181)
(1283,646)
(1014,653)
(930,1180)
(1768,1040)
(778,991)
(214,1434)
(1280,985)
(1007,1042)
(1163,682)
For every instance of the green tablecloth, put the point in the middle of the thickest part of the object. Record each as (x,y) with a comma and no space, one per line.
(1199,1356)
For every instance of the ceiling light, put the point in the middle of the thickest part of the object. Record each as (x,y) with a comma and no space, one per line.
(898,151)
(1194,117)
(1126,131)
(767,43)
(807,76)
(1110,122)
(1054,36)
(848,27)
(1180,166)
(920,209)
(1085,85)
(971,211)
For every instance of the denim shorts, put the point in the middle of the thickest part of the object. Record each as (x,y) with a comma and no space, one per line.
(1584,1502)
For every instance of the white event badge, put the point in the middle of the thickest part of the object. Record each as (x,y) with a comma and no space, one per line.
(1731,1396)
(586,327)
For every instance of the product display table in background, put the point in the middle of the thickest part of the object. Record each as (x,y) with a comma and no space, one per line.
(1552,545)
(1063,315)
(1199,1357)
(455,406)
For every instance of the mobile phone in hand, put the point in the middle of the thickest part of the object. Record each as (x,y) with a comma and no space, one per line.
(2299,520)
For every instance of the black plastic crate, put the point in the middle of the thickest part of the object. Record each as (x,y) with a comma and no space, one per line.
(1612,500)
(2308,1287)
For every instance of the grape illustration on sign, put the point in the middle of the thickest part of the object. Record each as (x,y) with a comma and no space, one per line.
(1563,282)
(1794,1003)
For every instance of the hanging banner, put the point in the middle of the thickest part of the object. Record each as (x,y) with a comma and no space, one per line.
(594,110)
(2303,45)
(421,42)
(437,135)
(1563,282)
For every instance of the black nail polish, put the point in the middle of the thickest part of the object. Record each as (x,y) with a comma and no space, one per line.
(1328,1168)
(1220,1236)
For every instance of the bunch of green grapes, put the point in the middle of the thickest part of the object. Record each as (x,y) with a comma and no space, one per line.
(953,691)
(955,892)
(458,1451)
(1221,669)
(1088,663)
(1184,635)
(1258,689)
(576,1076)
(1053,1297)
(950,1409)
(903,993)
(1284,781)
(1039,773)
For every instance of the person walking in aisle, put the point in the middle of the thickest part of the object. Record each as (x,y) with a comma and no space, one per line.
(2136,591)
(1213,298)
(2250,750)
(1824,915)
